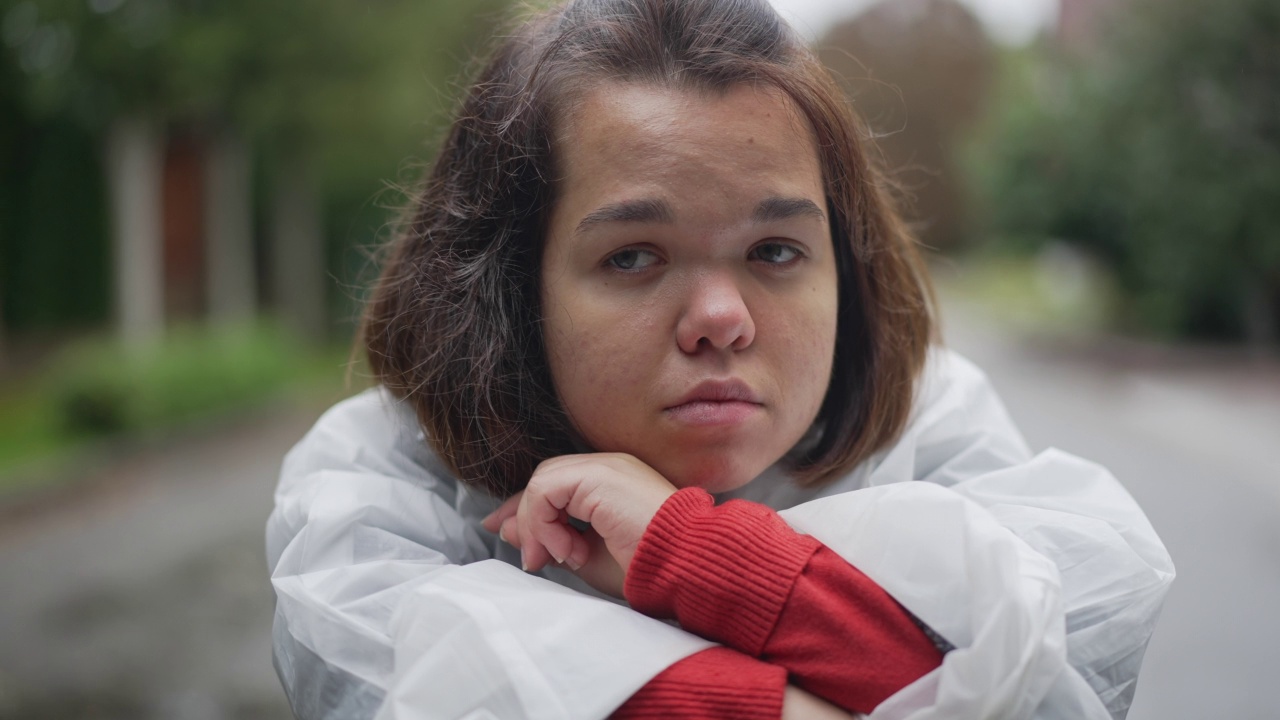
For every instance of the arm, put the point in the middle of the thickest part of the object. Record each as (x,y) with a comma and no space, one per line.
(1042,568)
(737,574)
(723,684)
(389,601)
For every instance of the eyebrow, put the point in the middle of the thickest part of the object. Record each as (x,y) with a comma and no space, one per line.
(650,210)
(778,208)
(653,210)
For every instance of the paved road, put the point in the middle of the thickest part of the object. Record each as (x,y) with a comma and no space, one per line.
(1195,437)
(147,596)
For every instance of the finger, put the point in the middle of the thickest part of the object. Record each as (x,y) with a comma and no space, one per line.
(493,521)
(561,461)
(581,546)
(543,517)
(534,554)
(510,531)
(601,571)
(580,552)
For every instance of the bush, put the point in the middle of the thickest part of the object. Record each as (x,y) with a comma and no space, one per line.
(1158,152)
(103,388)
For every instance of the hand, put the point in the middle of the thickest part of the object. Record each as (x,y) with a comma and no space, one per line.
(614,492)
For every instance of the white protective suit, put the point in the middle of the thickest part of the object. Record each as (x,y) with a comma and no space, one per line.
(393,602)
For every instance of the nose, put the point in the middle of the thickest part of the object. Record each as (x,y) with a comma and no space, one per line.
(715,316)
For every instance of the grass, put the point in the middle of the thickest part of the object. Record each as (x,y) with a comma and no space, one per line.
(97,393)
(1056,293)
(28,430)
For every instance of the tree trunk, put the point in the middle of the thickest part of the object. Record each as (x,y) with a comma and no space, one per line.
(228,231)
(134,170)
(298,255)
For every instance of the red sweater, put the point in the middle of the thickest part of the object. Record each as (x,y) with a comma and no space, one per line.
(786,608)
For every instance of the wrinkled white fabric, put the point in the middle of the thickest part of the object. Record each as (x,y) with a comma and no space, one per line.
(393,602)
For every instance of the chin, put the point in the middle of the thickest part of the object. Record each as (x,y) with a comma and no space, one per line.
(715,475)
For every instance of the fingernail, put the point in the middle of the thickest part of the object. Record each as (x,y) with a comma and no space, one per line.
(524,564)
(559,559)
(574,565)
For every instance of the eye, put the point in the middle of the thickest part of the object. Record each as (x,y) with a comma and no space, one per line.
(775,253)
(632,260)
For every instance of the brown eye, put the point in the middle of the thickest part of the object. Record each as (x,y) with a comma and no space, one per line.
(774,253)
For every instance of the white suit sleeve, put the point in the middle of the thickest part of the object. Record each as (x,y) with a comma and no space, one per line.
(1042,570)
(391,604)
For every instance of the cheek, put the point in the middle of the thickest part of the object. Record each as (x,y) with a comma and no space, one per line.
(598,359)
(810,341)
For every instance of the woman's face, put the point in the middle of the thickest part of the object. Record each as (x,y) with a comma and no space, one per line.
(688,280)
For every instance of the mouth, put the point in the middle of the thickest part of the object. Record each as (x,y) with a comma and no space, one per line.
(716,403)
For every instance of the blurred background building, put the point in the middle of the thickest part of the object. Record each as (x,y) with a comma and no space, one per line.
(191,194)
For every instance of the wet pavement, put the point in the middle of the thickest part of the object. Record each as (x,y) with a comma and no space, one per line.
(148,596)
(145,595)
(1194,435)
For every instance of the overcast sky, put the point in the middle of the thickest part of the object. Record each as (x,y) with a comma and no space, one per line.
(1008,21)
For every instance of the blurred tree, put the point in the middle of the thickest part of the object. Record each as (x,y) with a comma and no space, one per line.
(51,213)
(918,72)
(1159,153)
(341,89)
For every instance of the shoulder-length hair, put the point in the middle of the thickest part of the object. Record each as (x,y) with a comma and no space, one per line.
(454,325)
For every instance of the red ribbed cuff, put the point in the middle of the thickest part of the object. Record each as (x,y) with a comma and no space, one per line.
(724,572)
(715,684)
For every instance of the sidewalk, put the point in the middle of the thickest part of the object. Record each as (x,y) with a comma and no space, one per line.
(147,595)
(1195,438)
(1221,405)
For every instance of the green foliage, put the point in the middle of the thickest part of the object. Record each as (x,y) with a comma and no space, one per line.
(28,429)
(97,390)
(103,388)
(53,248)
(341,79)
(352,87)
(1159,153)
(288,70)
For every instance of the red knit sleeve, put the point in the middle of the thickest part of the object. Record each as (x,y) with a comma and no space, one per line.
(715,684)
(739,575)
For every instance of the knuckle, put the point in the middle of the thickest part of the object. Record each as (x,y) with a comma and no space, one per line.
(537,486)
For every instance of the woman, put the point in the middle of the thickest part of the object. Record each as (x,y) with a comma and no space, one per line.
(653,262)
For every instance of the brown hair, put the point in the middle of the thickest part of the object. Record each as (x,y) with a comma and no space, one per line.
(454,323)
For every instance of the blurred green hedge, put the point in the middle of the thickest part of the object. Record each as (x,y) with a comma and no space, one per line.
(102,387)
(1157,151)
(98,390)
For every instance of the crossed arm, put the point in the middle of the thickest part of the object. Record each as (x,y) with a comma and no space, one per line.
(390,601)
(735,574)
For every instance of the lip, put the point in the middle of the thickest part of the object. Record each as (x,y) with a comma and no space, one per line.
(716,403)
(713,391)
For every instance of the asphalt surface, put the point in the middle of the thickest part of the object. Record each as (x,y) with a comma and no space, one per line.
(1194,435)
(145,594)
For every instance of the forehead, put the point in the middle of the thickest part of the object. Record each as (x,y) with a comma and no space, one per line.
(687,145)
